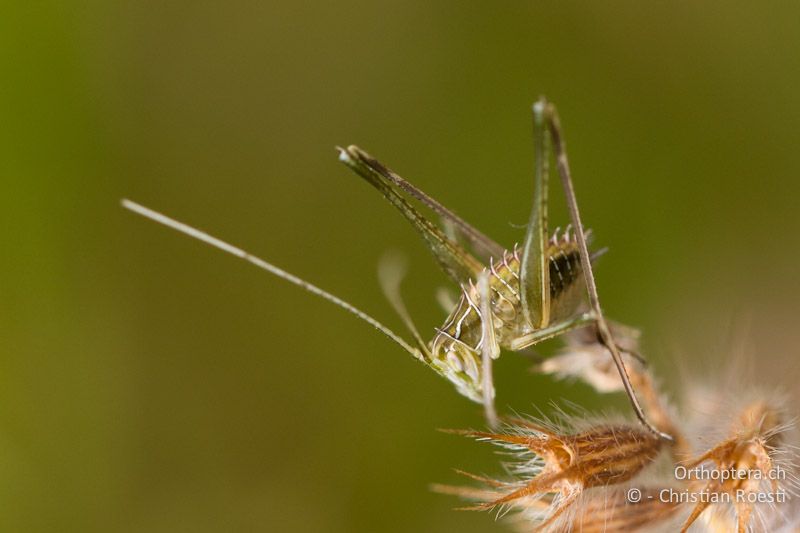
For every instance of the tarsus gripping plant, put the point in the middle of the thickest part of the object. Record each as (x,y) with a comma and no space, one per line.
(579,472)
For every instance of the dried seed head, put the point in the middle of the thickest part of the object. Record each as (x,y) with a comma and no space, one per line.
(607,455)
(603,511)
(563,464)
(589,363)
(752,468)
(584,357)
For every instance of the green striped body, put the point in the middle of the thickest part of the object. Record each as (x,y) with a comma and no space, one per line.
(456,348)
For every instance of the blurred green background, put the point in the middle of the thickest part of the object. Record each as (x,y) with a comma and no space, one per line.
(149,383)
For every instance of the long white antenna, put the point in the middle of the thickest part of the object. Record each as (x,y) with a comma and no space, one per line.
(260,263)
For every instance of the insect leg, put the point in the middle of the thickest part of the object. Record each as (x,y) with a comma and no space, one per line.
(534,267)
(485,245)
(580,321)
(460,265)
(548,110)
(490,350)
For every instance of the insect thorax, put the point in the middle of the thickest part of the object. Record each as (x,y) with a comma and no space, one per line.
(456,348)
